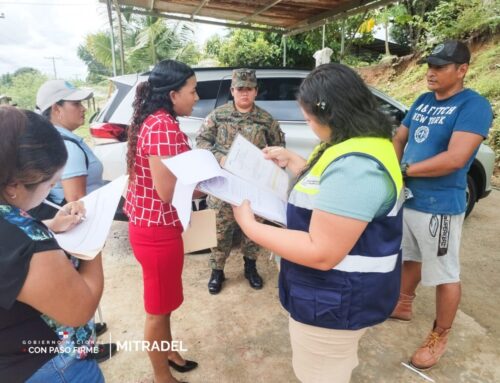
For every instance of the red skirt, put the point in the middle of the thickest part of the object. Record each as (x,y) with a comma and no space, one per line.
(160,251)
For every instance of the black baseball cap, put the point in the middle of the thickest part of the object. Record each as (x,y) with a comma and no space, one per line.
(449,52)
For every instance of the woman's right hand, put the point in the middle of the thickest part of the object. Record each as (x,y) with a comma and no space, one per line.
(71,215)
(285,158)
(278,154)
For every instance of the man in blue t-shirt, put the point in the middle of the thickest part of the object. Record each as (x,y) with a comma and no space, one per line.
(442,133)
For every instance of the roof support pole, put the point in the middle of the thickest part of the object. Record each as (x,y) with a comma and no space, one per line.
(120,36)
(110,17)
(342,41)
(283,39)
(323,43)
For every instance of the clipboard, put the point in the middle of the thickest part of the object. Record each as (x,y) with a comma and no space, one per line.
(201,233)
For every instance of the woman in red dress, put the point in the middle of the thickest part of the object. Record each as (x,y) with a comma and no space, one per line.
(154,227)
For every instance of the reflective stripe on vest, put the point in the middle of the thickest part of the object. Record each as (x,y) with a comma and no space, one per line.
(363,264)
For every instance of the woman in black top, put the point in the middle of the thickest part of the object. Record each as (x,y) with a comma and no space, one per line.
(46,301)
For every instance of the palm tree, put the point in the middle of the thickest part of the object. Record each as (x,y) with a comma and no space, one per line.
(146,40)
(155,40)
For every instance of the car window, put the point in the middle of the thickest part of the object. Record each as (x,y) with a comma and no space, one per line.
(277,96)
(278,89)
(113,102)
(207,91)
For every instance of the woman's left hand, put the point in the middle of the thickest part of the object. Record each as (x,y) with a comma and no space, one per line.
(243,214)
(71,215)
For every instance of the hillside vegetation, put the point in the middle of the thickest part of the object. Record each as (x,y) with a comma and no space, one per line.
(405,80)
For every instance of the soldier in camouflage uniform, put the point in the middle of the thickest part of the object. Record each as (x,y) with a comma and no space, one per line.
(217,134)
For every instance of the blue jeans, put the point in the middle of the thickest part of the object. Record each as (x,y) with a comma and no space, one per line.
(66,369)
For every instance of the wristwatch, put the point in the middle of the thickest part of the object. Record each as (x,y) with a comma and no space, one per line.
(404,169)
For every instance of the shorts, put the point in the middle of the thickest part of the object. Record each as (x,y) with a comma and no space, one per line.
(323,355)
(160,251)
(434,241)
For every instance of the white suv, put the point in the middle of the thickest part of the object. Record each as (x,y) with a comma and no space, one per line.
(277,90)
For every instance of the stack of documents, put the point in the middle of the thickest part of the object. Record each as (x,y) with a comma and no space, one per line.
(246,175)
(87,239)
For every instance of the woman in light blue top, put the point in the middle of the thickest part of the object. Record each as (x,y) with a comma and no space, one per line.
(61,103)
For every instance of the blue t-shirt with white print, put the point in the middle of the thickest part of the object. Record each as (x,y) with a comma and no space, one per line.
(431,123)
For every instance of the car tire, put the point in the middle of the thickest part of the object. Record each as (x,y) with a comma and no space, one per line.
(470,195)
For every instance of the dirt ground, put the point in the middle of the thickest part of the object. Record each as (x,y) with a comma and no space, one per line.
(241,334)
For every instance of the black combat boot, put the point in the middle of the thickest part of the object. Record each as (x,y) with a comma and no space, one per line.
(251,274)
(215,281)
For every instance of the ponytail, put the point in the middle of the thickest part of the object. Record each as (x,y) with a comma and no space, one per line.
(142,97)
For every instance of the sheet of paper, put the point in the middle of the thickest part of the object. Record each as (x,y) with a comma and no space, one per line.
(247,161)
(181,200)
(190,168)
(87,239)
(193,166)
(199,167)
(234,190)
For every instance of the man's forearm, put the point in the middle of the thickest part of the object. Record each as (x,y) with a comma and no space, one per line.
(440,165)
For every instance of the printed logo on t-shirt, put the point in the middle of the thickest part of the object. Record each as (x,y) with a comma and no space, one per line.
(432,115)
(421,134)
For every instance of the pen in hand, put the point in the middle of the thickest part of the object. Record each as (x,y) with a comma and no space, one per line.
(56,206)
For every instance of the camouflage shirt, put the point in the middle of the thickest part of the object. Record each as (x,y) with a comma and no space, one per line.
(221,126)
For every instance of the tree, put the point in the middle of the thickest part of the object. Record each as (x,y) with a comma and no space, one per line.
(212,46)
(461,19)
(252,48)
(96,54)
(245,48)
(24,84)
(146,40)
(189,54)
(410,25)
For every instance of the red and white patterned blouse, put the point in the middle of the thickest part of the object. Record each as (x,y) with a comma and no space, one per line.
(159,135)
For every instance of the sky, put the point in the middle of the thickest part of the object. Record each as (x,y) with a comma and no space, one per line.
(34,31)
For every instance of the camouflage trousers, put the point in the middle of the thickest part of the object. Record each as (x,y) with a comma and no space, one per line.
(227,231)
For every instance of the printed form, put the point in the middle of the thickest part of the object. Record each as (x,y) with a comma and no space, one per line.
(247,175)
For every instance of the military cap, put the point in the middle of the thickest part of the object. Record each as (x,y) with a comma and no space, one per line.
(244,78)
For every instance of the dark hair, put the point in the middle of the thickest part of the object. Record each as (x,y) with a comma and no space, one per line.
(31,149)
(337,97)
(152,95)
(47,113)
